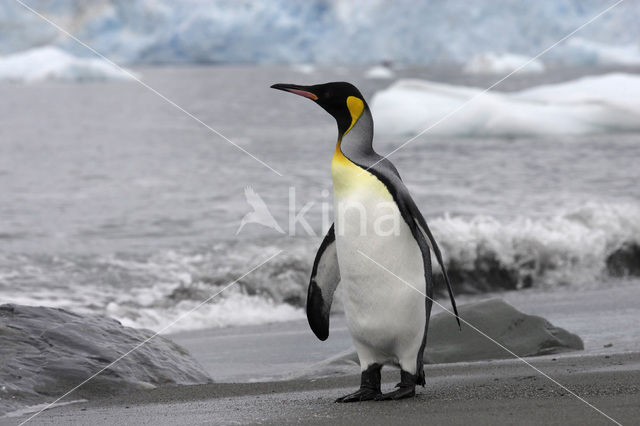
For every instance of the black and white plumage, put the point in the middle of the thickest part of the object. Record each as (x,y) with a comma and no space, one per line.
(387,319)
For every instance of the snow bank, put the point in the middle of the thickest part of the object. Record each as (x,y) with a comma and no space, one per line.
(606,103)
(493,63)
(51,63)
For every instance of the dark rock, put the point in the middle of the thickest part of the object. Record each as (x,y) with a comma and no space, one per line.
(524,335)
(486,274)
(625,261)
(45,352)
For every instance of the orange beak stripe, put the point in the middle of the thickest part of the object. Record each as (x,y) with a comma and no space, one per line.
(303,93)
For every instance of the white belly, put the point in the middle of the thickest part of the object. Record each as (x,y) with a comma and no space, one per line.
(385,316)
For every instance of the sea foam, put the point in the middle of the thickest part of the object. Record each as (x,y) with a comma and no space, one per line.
(577,247)
(581,247)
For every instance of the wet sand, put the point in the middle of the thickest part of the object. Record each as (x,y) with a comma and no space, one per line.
(490,392)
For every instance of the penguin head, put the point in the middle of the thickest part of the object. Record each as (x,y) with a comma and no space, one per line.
(340,99)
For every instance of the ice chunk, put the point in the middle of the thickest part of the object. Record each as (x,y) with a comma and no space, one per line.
(587,105)
(493,63)
(379,72)
(52,63)
(304,68)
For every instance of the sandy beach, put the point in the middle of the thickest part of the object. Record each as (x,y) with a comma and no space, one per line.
(493,392)
(271,374)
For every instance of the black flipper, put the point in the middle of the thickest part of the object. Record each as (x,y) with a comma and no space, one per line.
(325,277)
(422,224)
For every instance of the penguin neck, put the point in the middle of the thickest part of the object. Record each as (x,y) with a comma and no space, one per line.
(357,141)
(353,151)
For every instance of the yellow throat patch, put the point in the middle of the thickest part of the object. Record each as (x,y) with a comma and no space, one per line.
(348,176)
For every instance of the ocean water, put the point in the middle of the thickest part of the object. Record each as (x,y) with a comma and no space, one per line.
(114,202)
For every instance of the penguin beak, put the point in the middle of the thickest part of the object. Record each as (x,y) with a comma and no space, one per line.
(296,89)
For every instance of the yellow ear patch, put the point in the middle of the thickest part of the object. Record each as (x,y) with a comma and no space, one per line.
(355,106)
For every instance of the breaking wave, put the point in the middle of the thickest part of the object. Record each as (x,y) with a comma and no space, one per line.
(581,247)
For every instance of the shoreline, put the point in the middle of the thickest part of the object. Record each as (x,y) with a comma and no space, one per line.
(285,361)
(285,349)
(484,392)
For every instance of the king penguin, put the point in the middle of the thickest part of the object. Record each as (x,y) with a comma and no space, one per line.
(387,312)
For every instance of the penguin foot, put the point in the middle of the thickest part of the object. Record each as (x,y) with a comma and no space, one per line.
(400,393)
(406,388)
(369,386)
(362,394)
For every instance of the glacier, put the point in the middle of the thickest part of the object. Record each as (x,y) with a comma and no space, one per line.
(594,104)
(321,31)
